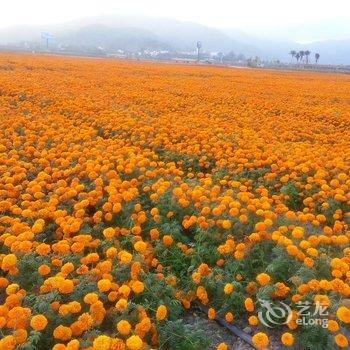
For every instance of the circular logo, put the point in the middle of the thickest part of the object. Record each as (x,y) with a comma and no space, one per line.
(274,314)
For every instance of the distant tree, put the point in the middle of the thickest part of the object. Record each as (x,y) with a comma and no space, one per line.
(307,54)
(317,56)
(254,62)
(301,54)
(241,57)
(220,56)
(297,56)
(293,53)
(231,57)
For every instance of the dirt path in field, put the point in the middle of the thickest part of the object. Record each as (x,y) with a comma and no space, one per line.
(218,334)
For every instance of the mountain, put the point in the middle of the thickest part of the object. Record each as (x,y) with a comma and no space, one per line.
(129,39)
(178,34)
(272,49)
(136,33)
(332,51)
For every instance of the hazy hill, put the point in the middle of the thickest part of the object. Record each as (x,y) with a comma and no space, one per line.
(272,49)
(136,33)
(129,39)
(332,51)
(161,32)
(178,35)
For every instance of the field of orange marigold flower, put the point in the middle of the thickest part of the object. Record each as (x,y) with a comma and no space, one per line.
(131,192)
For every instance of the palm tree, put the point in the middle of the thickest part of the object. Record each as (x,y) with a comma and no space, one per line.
(302,54)
(297,56)
(307,54)
(317,56)
(293,53)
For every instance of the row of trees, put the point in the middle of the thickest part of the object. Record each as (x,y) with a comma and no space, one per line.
(300,55)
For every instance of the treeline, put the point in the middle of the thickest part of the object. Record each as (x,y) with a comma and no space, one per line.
(303,56)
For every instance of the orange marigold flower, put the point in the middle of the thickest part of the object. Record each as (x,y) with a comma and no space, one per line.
(161,313)
(8,262)
(343,314)
(260,340)
(8,343)
(263,279)
(121,304)
(229,317)
(134,343)
(167,240)
(138,287)
(249,304)
(38,322)
(109,232)
(287,339)
(253,320)
(123,327)
(226,224)
(20,335)
(228,288)
(90,298)
(222,346)
(341,341)
(62,333)
(104,285)
(44,270)
(102,342)
(140,246)
(66,286)
(211,313)
(333,326)
(125,257)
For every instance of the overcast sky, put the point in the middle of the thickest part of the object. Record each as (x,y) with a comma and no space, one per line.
(219,13)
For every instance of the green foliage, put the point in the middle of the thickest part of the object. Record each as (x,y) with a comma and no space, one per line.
(189,163)
(40,304)
(206,242)
(305,273)
(121,273)
(322,266)
(33,342)
(295,201)
(314,338)
(252,174)
(84,287)
(256,260)
(176,262)
(158,292)
(175,335)
(29,276)
(282,266)
(332,208)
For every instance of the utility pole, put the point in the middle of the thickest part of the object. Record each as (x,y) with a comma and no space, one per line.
(199,45)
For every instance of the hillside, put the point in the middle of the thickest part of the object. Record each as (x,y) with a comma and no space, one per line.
(133,33)
(129,39)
